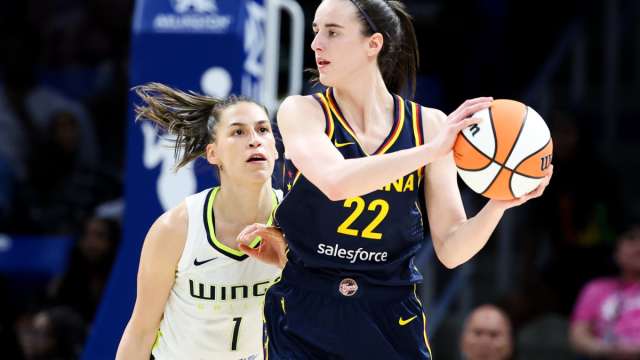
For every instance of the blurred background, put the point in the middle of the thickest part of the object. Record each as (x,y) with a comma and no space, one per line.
(80,182)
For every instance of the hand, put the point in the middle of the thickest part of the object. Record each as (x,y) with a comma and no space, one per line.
(456,121)
(507,204)
(272,247)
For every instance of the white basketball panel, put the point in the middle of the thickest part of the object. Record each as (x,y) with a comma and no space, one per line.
(533,137)
(479,181)
(522,185)
(481,135)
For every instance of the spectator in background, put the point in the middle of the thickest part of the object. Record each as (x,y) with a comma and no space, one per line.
(486,335)
(62,193)
(606,317)
(89,267)
(26,109)
(56,333)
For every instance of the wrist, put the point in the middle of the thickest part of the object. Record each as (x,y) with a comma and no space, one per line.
(497,206)
(429,153)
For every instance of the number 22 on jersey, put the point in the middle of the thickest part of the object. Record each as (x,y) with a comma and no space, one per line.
(359,204)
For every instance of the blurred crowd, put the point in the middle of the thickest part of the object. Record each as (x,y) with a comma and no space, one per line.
(63,94)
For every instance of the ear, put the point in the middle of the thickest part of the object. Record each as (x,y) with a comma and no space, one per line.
(375,43)
(211,153)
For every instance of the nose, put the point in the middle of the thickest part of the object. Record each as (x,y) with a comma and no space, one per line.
(316,45)
(255,140)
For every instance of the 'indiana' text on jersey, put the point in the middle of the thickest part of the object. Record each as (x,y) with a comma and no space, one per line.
(373,236)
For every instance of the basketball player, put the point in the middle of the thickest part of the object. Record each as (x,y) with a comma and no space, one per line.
(199,296)
(358,155)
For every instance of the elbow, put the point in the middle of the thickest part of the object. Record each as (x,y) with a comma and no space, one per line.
(448,260)
(448,263)
(451,261)
(334,193)
(332,189)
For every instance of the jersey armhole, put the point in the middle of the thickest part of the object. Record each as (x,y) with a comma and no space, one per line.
(185,257)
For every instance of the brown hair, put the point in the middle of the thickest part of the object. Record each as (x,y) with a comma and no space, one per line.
(191,117)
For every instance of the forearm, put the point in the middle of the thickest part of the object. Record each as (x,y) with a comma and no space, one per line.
(359,176)
(135,344)
(469,237)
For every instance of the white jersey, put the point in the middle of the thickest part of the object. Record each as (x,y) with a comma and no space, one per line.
(214,310)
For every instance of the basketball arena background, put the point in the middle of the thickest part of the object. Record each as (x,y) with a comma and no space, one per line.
(80,182)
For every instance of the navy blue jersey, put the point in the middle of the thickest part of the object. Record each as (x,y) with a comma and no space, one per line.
(374,236)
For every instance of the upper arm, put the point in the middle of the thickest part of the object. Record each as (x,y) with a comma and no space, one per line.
(442,196)
(302,126)
(161,252)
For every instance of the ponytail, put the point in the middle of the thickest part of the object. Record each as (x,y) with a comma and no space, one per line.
(399,70)
(191,117)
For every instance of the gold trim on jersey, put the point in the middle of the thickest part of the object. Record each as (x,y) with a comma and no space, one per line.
(329,125)
(416,114)
(424,322)
(395,131)
(211,233)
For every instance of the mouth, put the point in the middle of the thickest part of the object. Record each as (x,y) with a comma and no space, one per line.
(256,158)
(322,63)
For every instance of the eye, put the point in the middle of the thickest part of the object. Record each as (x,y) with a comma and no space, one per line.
(238,132)
(332,33)
(264,129)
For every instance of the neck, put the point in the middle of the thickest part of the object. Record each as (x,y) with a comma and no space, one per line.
(244,203)
(364,96)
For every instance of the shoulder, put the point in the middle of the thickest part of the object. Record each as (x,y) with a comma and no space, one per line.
(298,103)
(600,286)
(171,227)
(300,110)
(432,120)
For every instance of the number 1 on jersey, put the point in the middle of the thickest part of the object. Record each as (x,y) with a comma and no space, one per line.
(236,330)
(368,232)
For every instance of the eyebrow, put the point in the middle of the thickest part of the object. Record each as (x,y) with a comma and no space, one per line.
(261,122)
(329,25)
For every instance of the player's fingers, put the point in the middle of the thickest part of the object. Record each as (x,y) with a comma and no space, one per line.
(268,233)
(253,252)
(246,230)
(470,110)
(537,191)
(466,123)
(474,101)
(245,236)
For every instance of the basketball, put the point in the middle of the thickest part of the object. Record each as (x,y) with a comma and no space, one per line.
(504,156)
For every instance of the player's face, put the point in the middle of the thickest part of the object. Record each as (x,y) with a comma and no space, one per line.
(244,147)
(340,49)
(486,336)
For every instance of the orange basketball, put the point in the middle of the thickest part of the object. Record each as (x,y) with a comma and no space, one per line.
(504,156)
